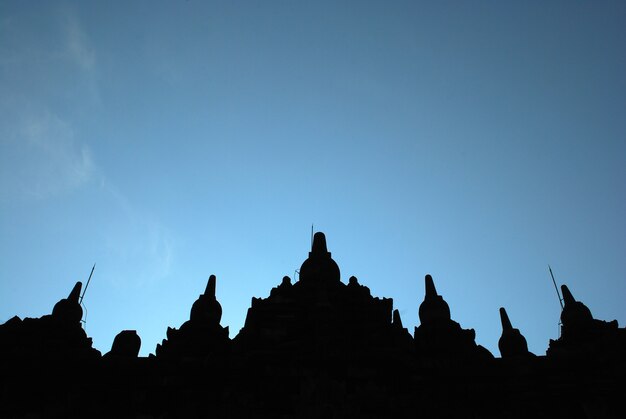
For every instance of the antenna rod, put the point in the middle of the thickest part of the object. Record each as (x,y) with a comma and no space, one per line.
(556,288)
(311,236)
(86,285)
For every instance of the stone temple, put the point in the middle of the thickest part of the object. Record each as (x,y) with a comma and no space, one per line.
(314,348)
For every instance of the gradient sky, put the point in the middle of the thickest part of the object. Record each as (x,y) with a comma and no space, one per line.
(167,141)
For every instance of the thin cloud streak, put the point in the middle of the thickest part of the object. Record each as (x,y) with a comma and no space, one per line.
(140,247)
(78,45)
(41,152)
(51,160)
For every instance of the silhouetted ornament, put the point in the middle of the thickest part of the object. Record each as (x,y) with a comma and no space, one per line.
(319,267)
(126,344)
(206,308)
(310,350)
(434,308)
(439,339)
(356,290)
(511,343)
(397,321)
(202,334)
(282,290)
(69,309)
(582,336)
(576,317)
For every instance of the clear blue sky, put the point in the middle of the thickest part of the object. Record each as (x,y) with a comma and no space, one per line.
(167,141)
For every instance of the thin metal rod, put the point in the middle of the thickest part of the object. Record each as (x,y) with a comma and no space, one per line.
(86,285)
(555,287)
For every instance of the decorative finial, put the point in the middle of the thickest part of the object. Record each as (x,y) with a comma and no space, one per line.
(396,318)
(319,266)
(504,319)
(319,244)
(576,316)
(206,308)
(75,293)
(431,291)
(511,343)
(434,308)
(568,298)
(210,287)
(68,309)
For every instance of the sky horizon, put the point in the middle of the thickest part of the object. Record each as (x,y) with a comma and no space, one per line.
(168,141)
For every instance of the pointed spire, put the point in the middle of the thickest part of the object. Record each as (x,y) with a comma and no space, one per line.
(576,316)
(434,307)
(396,318)
(319,244)
(75,293)
(206,308)
(568,298)
(511,343)
(431,291)
(504,319)
(210,287)
(69,309)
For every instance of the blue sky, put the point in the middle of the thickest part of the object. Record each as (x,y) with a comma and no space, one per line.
(167,141)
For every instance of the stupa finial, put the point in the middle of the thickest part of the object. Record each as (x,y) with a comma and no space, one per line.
(396,318)
(319,266)
(319,244)
(69,309)
(210,287)
(511,343)
(434,307)
(504,319)
(206,308)
(568,298)
(431,291)
(75,293)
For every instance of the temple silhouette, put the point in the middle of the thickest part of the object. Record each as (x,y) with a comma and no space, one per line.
(314,348)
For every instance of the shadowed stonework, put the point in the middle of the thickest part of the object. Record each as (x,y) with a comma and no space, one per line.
(316,347)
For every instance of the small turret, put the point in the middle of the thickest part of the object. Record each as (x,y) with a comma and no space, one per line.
(434,308)
(126,344)
(512,343)
(69,309)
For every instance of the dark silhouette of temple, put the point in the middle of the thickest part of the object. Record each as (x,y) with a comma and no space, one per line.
(314,348)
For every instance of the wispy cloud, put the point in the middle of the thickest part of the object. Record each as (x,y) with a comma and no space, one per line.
(41,157)
(139,246)
(42,154)
(77,45)
(51,79)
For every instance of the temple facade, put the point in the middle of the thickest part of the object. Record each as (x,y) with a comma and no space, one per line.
(316,347)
